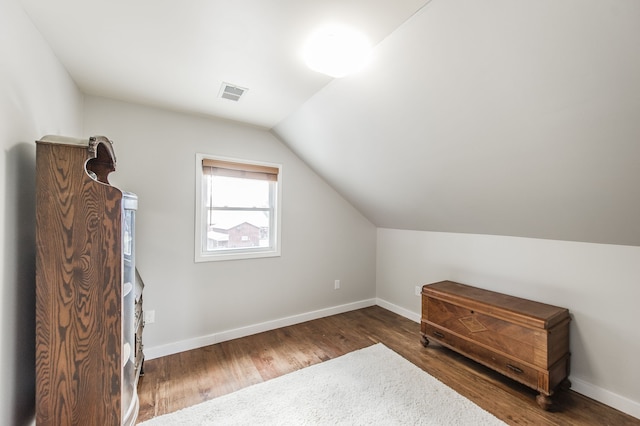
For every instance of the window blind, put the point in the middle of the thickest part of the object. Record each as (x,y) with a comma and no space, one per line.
(239,170)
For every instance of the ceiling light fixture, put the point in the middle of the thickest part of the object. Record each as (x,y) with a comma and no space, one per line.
(337,50)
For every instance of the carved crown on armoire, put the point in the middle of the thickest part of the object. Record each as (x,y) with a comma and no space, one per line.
(88,300)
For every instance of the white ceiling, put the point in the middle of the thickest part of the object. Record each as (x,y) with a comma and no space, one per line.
(176,54)
(500,117)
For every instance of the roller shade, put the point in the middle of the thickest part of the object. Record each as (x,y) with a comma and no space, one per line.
(239,170)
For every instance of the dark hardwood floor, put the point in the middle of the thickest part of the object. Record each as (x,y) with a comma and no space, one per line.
(177,381)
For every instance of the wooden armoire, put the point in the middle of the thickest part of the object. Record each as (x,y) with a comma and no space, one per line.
(88,303)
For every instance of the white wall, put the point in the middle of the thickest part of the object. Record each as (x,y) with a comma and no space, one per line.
(598,283)
(323,237)
(37,97)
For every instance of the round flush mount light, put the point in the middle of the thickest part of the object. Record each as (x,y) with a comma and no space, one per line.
(337,50)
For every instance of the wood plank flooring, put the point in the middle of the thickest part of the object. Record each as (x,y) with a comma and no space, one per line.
(177,381)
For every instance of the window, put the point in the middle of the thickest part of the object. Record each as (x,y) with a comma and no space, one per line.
(237,209)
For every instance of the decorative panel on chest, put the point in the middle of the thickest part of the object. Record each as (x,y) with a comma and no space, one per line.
(87,362)
(522,339)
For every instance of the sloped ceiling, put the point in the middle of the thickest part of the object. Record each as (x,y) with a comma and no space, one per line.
(490,117)
(500,117)
(176,54)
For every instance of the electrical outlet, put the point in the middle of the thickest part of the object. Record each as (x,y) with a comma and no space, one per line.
(336,284)
(149,317)
(418,290)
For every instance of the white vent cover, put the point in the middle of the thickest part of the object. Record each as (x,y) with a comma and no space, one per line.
(231,92)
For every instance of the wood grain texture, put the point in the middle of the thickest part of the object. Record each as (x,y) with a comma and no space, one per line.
(78,291)
(184,379)
(498,305)
(525,340)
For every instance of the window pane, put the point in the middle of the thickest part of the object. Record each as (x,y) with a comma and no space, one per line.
(231,229)
(236,192)
(237,213)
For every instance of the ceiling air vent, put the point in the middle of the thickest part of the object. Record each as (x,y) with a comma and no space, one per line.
(231,92)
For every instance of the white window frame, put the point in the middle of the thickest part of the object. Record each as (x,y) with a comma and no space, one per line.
(201,254)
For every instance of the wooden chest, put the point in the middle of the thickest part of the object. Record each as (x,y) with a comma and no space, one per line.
(524,340)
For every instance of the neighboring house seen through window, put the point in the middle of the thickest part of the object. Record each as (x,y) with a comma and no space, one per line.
(237,209)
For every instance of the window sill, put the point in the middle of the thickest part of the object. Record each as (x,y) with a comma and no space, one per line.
(216,257)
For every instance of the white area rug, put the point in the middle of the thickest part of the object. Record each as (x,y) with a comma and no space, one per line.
(371,386)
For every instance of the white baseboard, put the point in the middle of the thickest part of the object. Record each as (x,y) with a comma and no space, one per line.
(398,310)
(607,397)
(223,336)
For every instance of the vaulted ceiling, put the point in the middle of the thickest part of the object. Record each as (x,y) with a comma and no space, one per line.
(491,117)
(176,54)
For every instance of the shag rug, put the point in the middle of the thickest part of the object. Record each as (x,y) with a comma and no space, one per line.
(370,386)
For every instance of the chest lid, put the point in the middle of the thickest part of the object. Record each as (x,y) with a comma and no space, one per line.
(514,309)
